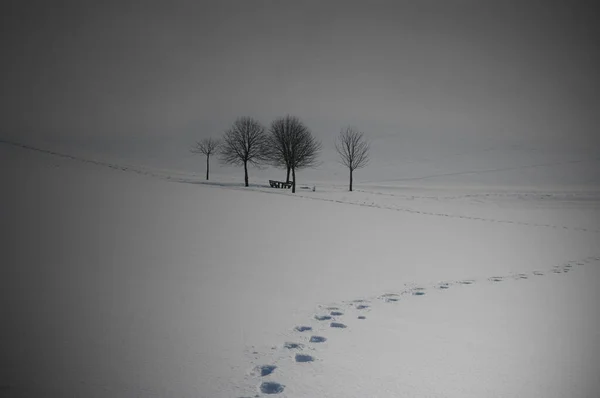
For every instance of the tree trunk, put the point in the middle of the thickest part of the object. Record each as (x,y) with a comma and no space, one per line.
(207,166)
(246,173)
(294,180)
(350,180)
(287,179)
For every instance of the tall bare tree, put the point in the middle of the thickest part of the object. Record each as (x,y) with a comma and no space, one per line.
(353,150)
(207,147)
(292,145)
(245,142)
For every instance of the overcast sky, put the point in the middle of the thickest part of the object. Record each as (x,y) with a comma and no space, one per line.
(147,72)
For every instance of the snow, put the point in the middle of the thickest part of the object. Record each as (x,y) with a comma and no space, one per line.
(121,283)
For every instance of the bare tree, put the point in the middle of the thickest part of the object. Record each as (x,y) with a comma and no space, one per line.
(353,150)
(207,147)
(291,145)
(245,142)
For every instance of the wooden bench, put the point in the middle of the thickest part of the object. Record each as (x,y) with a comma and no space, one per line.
(280,184)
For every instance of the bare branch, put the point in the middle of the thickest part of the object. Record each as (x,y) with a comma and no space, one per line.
(207,146)
(353,150)
(245,142)
(291,145)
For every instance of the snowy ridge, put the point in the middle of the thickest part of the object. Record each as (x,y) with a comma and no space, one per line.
(592,197)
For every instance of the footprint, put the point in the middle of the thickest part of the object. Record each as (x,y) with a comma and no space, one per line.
(291,346)
(496,279)
(303,328)
(520,276)
(322,317)
(418,291)
(443,285)
(467,282)
(538,273)
(337,325)
(389,297)
(270,387)
(265,370)
(362,317)
(362,307)
(317,339)
(304,358)
(332,308)
(336,313)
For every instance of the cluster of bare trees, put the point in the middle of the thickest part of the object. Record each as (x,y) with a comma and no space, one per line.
(287,143)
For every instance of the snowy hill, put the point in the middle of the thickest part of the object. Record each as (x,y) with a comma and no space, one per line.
(121,284)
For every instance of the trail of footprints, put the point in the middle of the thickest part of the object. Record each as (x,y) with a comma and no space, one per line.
(331,317)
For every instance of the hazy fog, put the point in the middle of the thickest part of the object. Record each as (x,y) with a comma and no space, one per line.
(422,79)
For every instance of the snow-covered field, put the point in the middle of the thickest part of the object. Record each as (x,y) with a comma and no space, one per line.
(122,284)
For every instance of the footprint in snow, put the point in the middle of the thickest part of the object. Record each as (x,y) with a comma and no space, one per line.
(292,346)
(336,313)
(264,370)
(467,282)
(418,291)
(337,325)
(389,297)
(442,285)
(520,276)
(538,273)
(270,387)
(322,317)
(496,279)
(303,328)
(317,339)
(304,358)
(362,307)
(362,317)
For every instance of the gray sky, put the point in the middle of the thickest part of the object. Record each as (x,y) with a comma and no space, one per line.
(125,74)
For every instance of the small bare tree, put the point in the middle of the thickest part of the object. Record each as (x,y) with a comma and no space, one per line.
(245,142)
(291,145)
(353,150)
(207,147)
